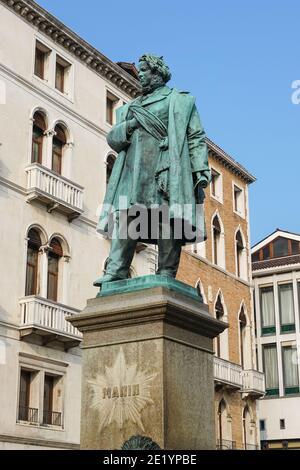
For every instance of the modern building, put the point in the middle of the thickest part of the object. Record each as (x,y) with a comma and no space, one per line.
(276,277)
(221,268)
(58,99)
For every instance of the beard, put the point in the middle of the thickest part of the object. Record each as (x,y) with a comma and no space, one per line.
(156,82)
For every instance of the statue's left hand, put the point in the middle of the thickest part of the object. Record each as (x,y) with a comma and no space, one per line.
(202,178)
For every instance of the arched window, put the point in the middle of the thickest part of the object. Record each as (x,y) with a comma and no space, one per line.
(239,249)
(54,256)
(200,289)
(110,161)
(38,131)
(216,240)
(34,244)
(242,328)
(219,311)
(59,142)
(224,427)
(248,433)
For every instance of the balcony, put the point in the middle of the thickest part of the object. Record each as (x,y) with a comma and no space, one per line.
(54,190)
(44,320)
(227,373)
(253,383)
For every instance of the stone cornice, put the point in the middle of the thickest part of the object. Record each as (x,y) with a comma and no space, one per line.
(229,162)
(47,24)
(32,441)
(147,306)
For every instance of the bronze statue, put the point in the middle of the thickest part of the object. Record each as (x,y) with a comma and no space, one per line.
(162,165)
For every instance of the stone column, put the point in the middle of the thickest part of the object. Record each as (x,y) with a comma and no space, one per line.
(147,365)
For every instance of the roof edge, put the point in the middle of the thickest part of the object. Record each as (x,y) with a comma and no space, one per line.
(229,162)
(49,25)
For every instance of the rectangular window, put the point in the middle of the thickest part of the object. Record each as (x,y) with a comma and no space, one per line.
(216,184)
(286,306)
(262,425)
(294,247)
(111,102)
(60,78)
(109,110)
(41,56)
(290,370)
(39,66)
(267,309)
(26,411)
(282,423)
(266,252)
(238,200)
(62,73)
(271,369)
(280,247)
(52,396)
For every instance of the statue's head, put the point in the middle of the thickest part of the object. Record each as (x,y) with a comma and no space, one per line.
(153,72)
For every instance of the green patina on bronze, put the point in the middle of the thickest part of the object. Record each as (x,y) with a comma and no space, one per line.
(148,282)
(162,159)
(140,443)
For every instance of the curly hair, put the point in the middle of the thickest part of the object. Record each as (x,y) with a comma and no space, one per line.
(157,65)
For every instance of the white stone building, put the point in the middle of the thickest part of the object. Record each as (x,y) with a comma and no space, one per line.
(276,277)
(57,96)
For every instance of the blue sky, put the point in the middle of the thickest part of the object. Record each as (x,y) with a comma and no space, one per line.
(239,58)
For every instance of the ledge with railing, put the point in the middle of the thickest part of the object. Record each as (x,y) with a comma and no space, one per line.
(53,418)
(30,415)
(47,319)
(228,373)
(253,382)
(56,191)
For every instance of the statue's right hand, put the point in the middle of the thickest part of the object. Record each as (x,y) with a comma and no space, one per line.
(132,125)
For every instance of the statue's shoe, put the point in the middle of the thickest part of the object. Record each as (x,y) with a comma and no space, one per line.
(106,278)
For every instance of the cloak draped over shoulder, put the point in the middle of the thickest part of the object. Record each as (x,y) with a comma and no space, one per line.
(156,163)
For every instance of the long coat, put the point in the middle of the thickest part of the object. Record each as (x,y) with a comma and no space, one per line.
(143,166)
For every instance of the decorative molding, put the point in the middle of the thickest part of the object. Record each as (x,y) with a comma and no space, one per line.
(9,184)
(48,25)
(18,78)
(173,339)
(43,359)
(28,441)
(218,268)
(163,305)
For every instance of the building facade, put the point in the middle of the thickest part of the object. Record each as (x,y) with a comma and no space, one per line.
(221,268)
(58,99)
(276,277)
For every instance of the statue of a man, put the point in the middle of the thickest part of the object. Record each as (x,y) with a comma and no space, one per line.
(162,163)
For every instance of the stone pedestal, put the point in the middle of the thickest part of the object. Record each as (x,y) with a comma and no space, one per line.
(147,365)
